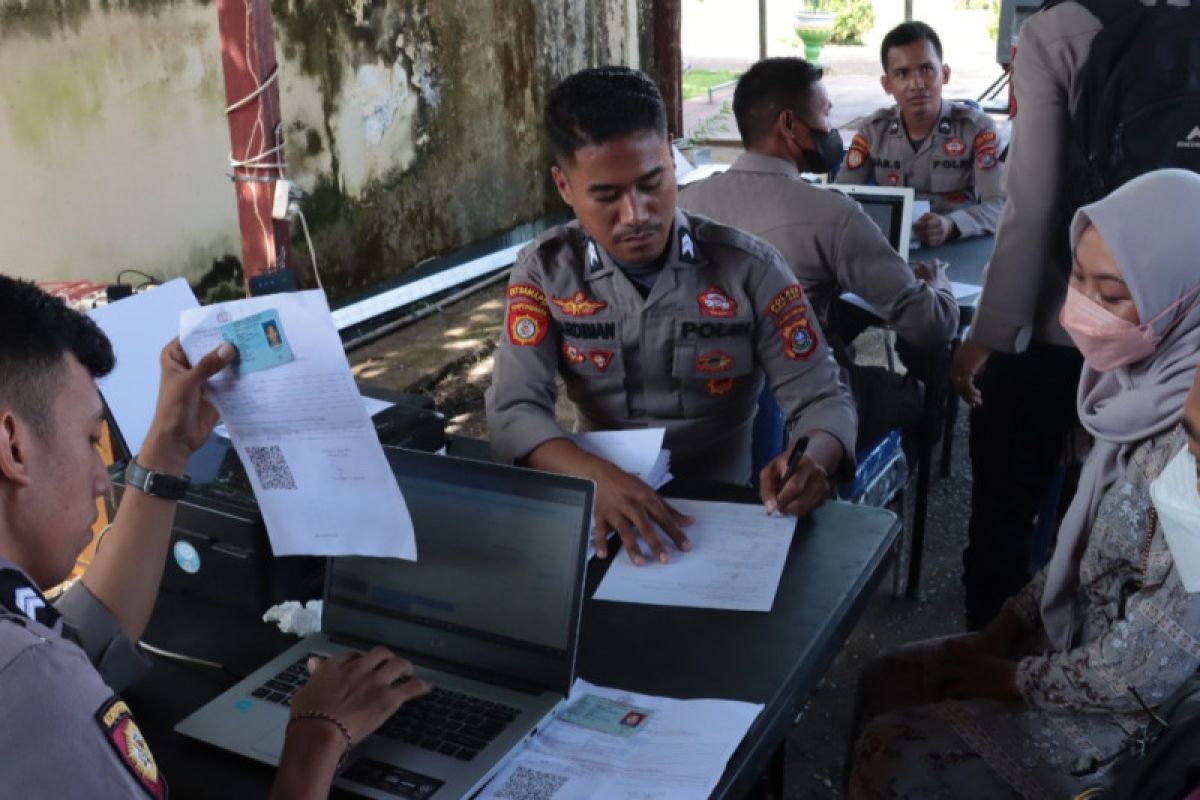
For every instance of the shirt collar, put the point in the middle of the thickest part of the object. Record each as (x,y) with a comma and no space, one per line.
(944,126)
(760,162)
(682,252)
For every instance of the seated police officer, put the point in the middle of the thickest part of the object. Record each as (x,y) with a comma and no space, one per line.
(948,152)
(832,246)
(654,317)
(65,732)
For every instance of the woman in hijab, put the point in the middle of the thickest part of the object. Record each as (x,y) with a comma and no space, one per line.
(1065,679)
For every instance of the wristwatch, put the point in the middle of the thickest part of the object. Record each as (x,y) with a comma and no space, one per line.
(156,484)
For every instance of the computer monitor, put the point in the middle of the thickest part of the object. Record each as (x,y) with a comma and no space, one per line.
(890,207)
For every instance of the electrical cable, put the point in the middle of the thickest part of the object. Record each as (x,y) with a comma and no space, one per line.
(312,253)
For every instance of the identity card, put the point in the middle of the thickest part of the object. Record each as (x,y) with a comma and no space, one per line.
(606,715)
(259,340)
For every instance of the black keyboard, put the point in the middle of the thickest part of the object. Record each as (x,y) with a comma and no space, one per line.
(451,723)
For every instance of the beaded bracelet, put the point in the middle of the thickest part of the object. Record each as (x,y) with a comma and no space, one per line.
(335,721)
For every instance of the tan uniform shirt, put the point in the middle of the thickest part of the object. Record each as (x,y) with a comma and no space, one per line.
(831,245)
(956,168)
(1024,286)
(64,731)
(689,357)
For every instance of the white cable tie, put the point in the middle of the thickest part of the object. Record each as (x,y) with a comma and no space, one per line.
(262,87)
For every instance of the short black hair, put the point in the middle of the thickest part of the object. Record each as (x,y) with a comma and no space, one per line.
(598,105)
(907,33)
(37,333)
(769,87)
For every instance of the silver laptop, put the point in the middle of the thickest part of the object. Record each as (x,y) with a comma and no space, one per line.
(489,614)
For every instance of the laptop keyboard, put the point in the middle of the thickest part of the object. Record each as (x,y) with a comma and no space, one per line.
(451,723)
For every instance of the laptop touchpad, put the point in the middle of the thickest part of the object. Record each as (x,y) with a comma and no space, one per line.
(271,744)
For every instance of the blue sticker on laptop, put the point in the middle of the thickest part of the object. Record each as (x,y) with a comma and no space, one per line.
(605,715)
(260,341)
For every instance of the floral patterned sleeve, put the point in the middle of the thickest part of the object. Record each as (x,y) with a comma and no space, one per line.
(1151,651)
(1144,644)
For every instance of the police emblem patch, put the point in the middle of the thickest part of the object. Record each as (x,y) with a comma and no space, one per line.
(714,361)
(799,340)
(957,198)
(116,720)
(986,158)
(984,138)
(894,179)
(526,324)
(789,299)
(715,303)
(954,147)
(718,386)
(600,359)
(578,304)
(855,158)
(572,354)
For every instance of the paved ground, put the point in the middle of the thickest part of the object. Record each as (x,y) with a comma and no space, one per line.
(851,73)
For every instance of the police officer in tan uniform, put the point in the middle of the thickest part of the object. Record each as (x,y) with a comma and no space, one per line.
(654,317)
(948,152)
(64,731)
(831,245)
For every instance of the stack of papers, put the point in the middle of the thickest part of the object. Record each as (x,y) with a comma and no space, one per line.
(735,563)
(636,451)
(626,745)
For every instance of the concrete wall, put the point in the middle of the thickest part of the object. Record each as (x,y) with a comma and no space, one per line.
(413,125)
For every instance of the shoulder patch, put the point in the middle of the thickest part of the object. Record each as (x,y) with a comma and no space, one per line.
(983,139)
(859,152)
(116,721)
(799,337)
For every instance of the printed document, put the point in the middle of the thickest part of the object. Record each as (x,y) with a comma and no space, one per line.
(296,419)
(678,751)
(735,563)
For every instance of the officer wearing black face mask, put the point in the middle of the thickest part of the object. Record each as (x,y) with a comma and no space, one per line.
(782,111)
(948,152)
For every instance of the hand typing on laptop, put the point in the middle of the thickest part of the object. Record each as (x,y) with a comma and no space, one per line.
(346,698)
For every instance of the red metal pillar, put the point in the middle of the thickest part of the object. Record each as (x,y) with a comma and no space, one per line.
(668,60)
(255,133)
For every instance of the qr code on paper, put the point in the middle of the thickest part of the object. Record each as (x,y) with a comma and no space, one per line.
(529,784)
(271,467)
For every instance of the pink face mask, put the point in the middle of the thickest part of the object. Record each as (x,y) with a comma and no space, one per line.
(1107,341)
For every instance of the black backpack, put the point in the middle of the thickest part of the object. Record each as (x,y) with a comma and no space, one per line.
(1139,109)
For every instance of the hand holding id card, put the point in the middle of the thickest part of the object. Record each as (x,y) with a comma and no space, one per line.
(259,340)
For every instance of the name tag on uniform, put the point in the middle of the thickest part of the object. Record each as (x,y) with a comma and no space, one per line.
(260,341)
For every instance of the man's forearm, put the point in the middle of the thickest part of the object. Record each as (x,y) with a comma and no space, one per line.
(127,569)
(825,449)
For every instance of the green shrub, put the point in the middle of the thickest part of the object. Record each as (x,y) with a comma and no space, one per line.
(855,19)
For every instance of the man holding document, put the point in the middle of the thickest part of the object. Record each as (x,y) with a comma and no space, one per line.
(67,732)
(656,318)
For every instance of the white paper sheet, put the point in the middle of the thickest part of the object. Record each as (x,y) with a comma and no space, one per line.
(920,208)
(322,481)
(637,451)
(680,754)
(139,327)
(371,404)
(634,451)
(735,562)
(964,290)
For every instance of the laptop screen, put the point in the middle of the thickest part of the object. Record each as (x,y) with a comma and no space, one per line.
(889,207)
(500,557)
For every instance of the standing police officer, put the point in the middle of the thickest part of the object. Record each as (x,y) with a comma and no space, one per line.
(948,152)
(654,317)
